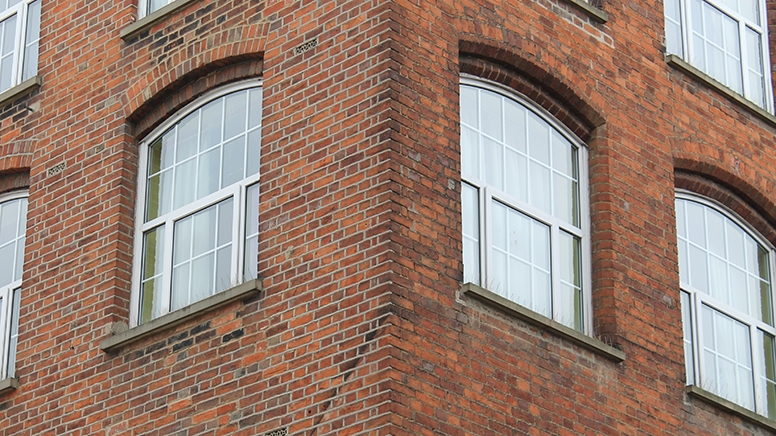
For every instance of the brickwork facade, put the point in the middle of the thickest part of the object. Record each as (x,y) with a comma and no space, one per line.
(361,325)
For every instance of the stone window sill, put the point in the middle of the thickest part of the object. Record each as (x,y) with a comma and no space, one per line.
(554,327)
(680,64)
(595,13)
(20,90)
(714,400)
(8,385)
(149,20)
(164,322)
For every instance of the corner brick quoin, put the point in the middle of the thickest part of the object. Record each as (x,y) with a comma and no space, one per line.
(367,297)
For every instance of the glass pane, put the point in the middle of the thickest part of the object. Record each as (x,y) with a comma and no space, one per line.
(204,227)
(689,353)
(254,111)
(254,153)
(515,126)
(541,192)
(470,152)
(209,175)
(202,277)
(234,157)
(30,67)
(538,139)
(571,309)
(14,333)
(727,362)
(252,233)
(236,115)
(471,233)
(225,222)
(768,370)
(151,304)
(9,215)
(7,255)
(491,116)
(8,35)
(211,125)
(517,174)
(494,163)
(153,5)
(185,173)
(470,106)
(521,258)
(188,137)
(224,269)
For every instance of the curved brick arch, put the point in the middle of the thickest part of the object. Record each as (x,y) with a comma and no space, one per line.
(719,182)
(16,156)
(554,92)
(150,109)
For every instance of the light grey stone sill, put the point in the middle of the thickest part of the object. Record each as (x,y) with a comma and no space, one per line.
(679,63)
(8,385)
(704,395)
(239,292)
(594,12)
(151,19)
(554,327)
(20,90)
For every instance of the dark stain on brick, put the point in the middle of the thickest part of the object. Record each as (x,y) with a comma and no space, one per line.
(233,335)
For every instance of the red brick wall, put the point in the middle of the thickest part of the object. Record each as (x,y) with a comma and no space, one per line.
(362,327)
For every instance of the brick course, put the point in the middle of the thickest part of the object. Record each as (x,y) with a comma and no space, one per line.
(362,328)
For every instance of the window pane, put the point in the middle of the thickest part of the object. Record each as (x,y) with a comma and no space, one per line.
(236,115)
(252,233)
(30,67)
(768,370)
(471,236)
(689,353)
(234,158)
(491,115)
(195,272)
(521,253)
(14,333)
(151,304)
(571,309)
(728,359)
(734,269)
(254,111)
(470,106)
(153,5)
(673,27)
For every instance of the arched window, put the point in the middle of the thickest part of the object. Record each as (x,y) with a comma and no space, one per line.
(197,222)
(726,275)
(13,222)
(524,204)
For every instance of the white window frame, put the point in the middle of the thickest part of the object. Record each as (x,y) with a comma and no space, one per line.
(237,192)
(488,194)
(20,43)
(688,47)
(142,9)
(9,310)
(698,299)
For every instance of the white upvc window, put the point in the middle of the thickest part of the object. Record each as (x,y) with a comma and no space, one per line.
(19,36)
(148,7)
(13,220)
(726,274)
(524,205)
(197,213)
(726,39)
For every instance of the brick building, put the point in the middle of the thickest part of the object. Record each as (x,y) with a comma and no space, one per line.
(387,217)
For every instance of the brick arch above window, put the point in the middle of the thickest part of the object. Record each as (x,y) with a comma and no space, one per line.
(732,192)
(557,95)
(147,106)
(16,156)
